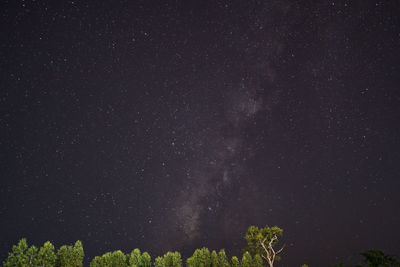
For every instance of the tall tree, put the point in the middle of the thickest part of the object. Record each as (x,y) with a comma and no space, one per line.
(110,259)
(118,259)
(159,262)
(145,260)
(170,259)
(136,259)
(200,258)
(17,257)
(21,255)
(78,254)
(46,256)
(235,261)
(214,259)
(247,260)
(223,259)
(70,256)
(31,254)
(257,261)
(262,241)
(173,259)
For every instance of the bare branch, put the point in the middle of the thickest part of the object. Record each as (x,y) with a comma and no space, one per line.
(279,251)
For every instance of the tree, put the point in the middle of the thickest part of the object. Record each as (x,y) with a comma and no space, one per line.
(136,259)
(96,262)
(21,255)
(170,259)
(235,261)
(247,260)
(214,259)
(70,256)
(200,258)
(31,254)
(118,259)
(110,259)
(376,258)
(46,256)
(159,262)
(78,254)
(257,261)
(262,242)
(173,259)
(145,260)
(223,259)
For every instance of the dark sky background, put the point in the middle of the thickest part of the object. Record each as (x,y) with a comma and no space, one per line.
(175,125)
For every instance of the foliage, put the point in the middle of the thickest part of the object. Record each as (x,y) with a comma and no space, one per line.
(159,262)
(257,239)
(119,259)
(247,260)
(170,259)
(24,256)
(200,258)
(214,259)
(136,259)
(145,260)
(257,261)
(203,258)
(110,259)
(96,262)
(70,256)
(376,258)
(17,257)
(21,255)
(235,261)
(46,256)
(223,259)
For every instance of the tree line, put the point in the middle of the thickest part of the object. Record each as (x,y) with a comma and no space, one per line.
(261,242)
(23,255)
(261,250)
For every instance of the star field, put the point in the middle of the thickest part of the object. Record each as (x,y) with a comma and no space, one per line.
(173,125)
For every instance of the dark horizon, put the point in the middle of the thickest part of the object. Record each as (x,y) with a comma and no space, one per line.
(169,126)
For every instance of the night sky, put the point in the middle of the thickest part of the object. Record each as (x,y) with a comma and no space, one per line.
(175,125)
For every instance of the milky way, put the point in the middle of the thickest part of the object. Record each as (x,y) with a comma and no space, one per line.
(220,165)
